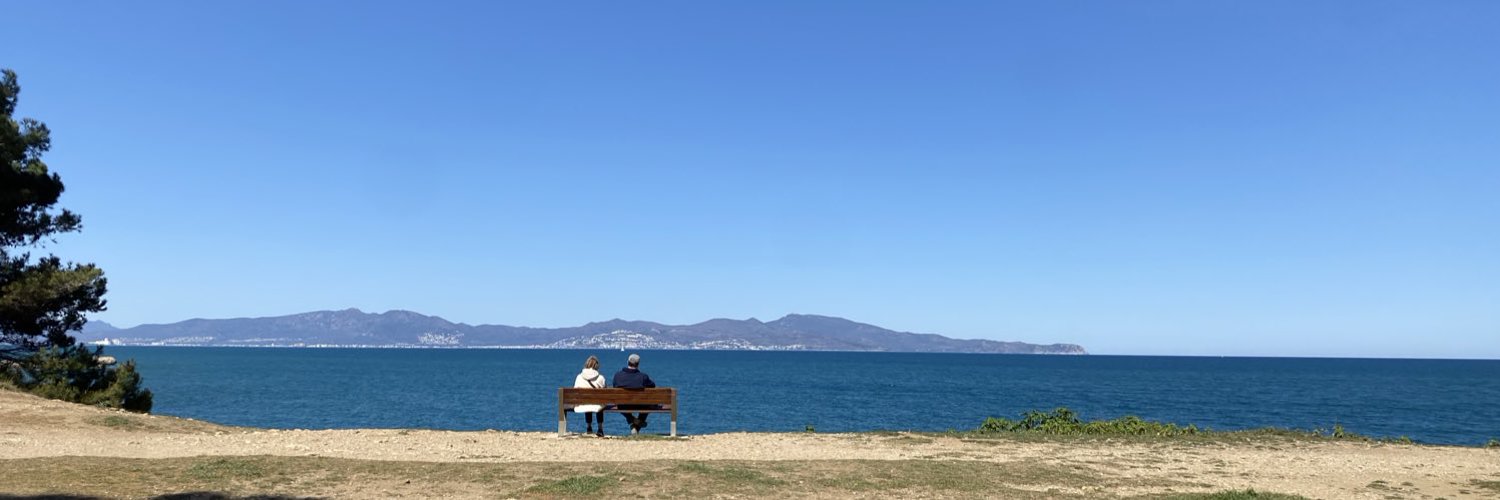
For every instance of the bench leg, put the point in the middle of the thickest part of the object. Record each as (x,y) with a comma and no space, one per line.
(562,415)
(674,427)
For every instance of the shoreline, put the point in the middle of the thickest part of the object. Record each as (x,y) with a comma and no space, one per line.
(61,436)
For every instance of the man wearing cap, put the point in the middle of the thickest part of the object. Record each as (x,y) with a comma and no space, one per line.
(631,377)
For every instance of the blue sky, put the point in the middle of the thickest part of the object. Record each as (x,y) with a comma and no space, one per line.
(1196,177)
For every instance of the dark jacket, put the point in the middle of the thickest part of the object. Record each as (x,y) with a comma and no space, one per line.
(631,378)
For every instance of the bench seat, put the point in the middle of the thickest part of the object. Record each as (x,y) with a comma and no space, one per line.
(663,398)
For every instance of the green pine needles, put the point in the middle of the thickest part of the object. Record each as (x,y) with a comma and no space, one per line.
(75,374)
(43,300)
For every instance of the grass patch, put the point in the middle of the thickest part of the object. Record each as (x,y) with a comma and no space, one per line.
(1488,485)
(1063,422)
(648,437)
(119,422)
(849,483)
(910,439)
(900,437)
(222,469)
(112,477)
(1235,495)
(576,485)
(737,474)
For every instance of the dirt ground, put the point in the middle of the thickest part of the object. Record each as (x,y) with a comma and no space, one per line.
(37,431)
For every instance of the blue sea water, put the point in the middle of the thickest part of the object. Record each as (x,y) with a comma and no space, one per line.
(1434,401)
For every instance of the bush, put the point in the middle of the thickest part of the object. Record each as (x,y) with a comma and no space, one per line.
(10,372)
(1065,421)
(75,374)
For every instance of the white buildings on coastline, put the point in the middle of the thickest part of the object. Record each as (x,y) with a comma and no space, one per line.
(618,339)
(626,339)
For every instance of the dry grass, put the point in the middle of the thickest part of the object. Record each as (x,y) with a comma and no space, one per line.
(62,450)
(1486,485)
(27,410)
(344,478)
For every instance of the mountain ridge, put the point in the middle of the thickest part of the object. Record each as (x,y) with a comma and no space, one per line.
(401,328)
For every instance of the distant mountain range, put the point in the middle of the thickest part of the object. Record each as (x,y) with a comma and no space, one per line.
(355,328)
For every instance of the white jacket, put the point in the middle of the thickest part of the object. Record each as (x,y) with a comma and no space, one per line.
(589,378)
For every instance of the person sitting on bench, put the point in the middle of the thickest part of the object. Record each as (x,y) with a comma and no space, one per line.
(631,377)
(590,378)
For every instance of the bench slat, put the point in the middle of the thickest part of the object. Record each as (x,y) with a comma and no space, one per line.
(574,397)
(664,397)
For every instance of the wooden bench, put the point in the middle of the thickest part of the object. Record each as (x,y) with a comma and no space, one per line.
(664,397)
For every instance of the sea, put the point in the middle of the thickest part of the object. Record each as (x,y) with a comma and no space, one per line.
(1432,401)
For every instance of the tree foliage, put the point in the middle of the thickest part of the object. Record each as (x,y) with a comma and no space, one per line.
(42,298)
(75,374)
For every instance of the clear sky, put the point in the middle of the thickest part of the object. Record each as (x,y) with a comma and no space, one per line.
(1151,177)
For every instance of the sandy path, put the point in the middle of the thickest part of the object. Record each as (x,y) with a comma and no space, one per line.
(31,427)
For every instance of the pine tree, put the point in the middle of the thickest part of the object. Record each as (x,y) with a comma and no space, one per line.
(42,299)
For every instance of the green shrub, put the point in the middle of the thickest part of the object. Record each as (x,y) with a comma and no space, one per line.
(74,374)
(574,486)
(10,372)
(1065,421)
(1494,443)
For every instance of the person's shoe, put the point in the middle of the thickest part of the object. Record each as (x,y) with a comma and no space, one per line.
(601,433)
(634,430)
(589,431)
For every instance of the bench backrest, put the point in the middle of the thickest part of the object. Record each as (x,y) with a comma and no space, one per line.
(665,396)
